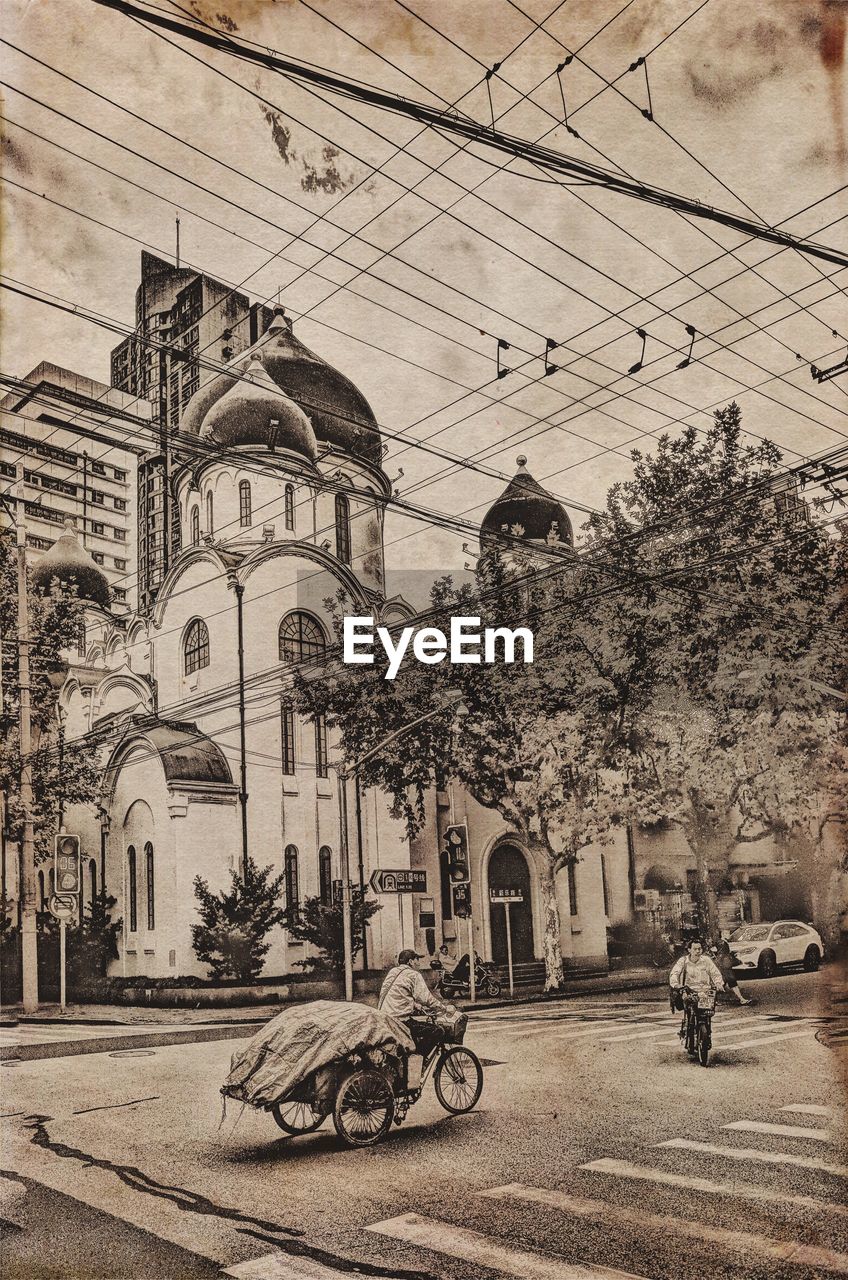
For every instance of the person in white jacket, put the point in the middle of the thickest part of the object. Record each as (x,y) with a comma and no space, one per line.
(698,972)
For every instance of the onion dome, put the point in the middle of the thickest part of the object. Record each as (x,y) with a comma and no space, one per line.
(254,411)
(526,510)
(340,415)
(68,562)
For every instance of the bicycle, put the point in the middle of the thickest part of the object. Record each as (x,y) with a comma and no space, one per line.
(698,1009)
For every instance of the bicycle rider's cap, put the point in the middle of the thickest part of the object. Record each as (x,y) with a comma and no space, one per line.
(407,955)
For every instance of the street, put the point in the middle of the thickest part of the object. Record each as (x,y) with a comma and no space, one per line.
(597,1147)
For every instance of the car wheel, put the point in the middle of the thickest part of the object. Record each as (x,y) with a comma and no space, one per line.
(767,966)
(812,959)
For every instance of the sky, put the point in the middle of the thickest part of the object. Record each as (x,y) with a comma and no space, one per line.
(404,255)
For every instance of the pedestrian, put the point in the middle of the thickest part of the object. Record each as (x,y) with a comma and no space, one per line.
(725,961)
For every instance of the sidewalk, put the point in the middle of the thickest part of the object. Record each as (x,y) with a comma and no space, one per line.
(97,1028)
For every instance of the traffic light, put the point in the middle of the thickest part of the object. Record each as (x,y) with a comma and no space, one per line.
(67,864)
(457,853)
(461,901)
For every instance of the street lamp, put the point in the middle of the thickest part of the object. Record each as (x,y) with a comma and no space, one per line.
(453,702)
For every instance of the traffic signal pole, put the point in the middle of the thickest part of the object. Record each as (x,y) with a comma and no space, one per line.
(29,940)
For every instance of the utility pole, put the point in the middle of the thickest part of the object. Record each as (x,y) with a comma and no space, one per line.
(29,941)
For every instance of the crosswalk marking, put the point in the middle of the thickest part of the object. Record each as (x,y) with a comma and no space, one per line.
(624,1169)
(763,1157)
(660,1031)
(779,1130)
(747,1242)
(766,1035)
(487,1251)
(770,1039)
(807,1109)
(282,1266)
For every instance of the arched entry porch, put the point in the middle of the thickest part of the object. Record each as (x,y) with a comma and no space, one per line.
(508,869)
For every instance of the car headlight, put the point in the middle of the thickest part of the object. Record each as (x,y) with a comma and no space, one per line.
(744,951)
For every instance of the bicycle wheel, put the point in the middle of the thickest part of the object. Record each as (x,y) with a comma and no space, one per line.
(704,1044)
(691,1034)
(365,1107)
(458,1080)
(298,1117)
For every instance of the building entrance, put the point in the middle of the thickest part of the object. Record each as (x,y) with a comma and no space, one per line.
(508,870)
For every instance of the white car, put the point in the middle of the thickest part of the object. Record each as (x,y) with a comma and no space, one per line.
(766,947)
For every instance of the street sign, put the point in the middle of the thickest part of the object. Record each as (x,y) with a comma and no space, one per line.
(506,895)
(67,863)
(403,881)
(62,906)
(461,900)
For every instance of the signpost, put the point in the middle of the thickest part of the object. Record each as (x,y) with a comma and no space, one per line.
(506,897)
(399,882)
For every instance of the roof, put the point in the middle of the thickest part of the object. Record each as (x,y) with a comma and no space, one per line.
(255,411)
(187,755)
(70,564)
(527,510)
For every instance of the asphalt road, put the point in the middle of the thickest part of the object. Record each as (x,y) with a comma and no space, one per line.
(597,1148)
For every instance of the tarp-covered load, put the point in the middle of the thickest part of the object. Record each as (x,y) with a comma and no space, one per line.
(305,1039)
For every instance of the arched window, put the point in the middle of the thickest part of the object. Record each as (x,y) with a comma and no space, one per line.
(210,512)
(245,508)
(41,897)
(132,888)
(289,501)
(325,876)
(292,888)
(287,740)
(92,880)
(151,887)
(196,646)
(321,746)
(301,637)
(81,637)
(194,526)
(343,528)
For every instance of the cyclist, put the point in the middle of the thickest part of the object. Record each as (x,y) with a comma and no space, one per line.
(405,995)
(696,971)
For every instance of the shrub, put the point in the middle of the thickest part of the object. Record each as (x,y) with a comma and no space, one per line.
(234,923)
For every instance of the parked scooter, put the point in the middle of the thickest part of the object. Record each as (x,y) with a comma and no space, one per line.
(458,982)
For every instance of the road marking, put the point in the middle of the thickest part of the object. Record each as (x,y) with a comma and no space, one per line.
(763,1157)
(661,1031)
(624,1169)
(772,1036)
(771,1039)
(486,1251)
(749,1243)
(808,1109)
(779,1130)
(570,1029)
(282,1266)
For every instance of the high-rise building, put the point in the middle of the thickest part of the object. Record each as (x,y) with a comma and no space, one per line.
(195,317)
(69,449)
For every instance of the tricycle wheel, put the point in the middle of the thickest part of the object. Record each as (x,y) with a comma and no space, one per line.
(458,1080)
(298,1117)
(365,1107)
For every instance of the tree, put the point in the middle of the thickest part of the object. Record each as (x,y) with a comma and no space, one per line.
(717,643)
(60,777)
(234,923)
(320,924)
(94,943)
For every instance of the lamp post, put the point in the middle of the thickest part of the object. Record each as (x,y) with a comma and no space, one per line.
(343,772)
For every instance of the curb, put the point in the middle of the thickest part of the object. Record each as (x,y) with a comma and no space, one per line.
(107,1044)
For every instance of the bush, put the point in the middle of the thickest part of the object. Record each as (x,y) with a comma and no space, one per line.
(320,925)
(234,924)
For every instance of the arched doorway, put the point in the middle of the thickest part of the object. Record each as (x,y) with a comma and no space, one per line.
(508,870)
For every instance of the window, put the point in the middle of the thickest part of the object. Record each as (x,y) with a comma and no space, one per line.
(97,468)
(119,563)
(325,876)
(572,890)
(194,523)
(288,740)
(119,593)
(132,889)
(320,746)
(245,515)
(120,475)
(151,891)
(119,535)
(605,884)
(196,646)
(301,637)
(81,637)
(343,528)
(8,469)
(92,879)
(120,504)
(98,498)
(97,527)
(98,557)
(289,501)
(210,511)
(290,868)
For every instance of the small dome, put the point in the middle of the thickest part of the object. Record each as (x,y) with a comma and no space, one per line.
(526,510)
(339,413)
(69,562)
(254,411)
